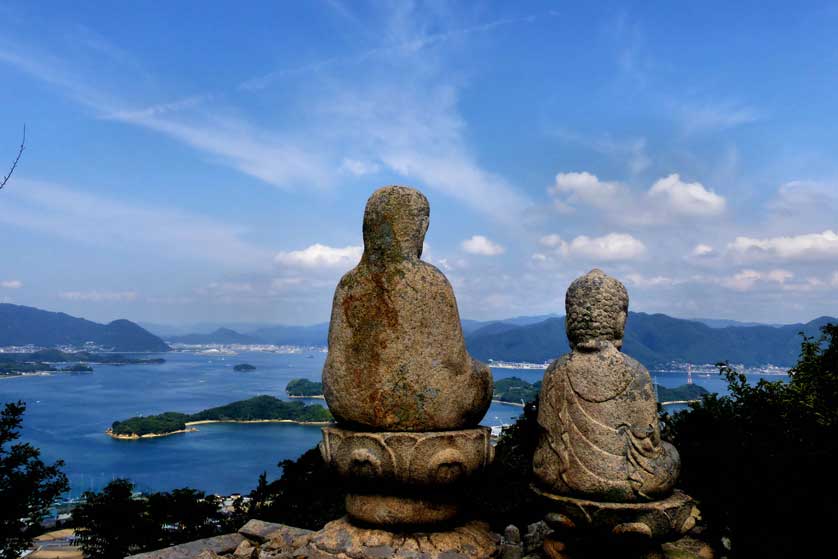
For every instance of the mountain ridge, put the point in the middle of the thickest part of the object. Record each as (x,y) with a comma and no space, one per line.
(21,325)
(654,340)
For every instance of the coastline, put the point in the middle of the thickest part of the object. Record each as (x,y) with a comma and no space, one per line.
(190,427)
(318,397)
(673,402)
(134,437)
(516,404)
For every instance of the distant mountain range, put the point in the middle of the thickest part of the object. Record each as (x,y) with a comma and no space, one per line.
(21,325)
(652,339)
(219,336)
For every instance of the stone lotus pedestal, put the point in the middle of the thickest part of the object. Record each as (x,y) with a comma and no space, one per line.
(406,479)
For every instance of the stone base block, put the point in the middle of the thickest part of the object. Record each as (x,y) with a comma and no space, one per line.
(341,540)
(662,520)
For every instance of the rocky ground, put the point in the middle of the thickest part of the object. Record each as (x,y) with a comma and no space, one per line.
(341,540)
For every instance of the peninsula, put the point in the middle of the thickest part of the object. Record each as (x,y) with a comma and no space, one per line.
(259,409)
(43,361)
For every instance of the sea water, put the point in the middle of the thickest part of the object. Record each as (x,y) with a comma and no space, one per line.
(67,415)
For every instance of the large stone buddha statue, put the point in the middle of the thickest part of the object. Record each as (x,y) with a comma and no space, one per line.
(600,437)
(397,357)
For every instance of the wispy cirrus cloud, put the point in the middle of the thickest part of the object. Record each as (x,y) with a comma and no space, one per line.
(413,133)
(95,220)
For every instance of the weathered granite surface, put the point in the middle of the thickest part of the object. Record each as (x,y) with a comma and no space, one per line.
(434,459)
(397,358)
(220,545)
(600,437)
(341,539)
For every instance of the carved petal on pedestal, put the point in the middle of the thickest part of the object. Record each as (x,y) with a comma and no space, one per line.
(364,457)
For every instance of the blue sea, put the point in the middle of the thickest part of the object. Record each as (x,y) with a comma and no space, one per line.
(67,416)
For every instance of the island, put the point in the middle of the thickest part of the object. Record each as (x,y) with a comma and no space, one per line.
(244,367)
(303,388)
(259,409)
(517,392)
(680,395)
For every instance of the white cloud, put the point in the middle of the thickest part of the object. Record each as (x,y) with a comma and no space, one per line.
(610,247)
(667,198)
(690,199)
(745,280)
(552,241)
(321,256)
(358,168)
(478,244)
(11,284)
(835,279)
(813,246)
(614,246)
(702,249)
(642,281)
(572,188)
(97,296)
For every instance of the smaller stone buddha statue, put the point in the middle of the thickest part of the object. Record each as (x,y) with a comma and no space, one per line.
(600,437)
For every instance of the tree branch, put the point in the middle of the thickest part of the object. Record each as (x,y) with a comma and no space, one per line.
(14,164)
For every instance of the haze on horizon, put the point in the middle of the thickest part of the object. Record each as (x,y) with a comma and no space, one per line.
(212,165)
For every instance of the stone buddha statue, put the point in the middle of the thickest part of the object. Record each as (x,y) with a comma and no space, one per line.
(397,357)
(600,438)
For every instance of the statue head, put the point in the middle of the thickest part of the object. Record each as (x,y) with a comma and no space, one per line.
(597,306)
(395,222)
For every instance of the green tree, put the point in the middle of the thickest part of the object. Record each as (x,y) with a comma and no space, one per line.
(185,515)
(28,487)
(502,496)
(307,495)
(762,460)
(112,524)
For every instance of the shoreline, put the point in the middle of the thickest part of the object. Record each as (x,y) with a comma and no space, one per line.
(318,397)
(516,404)
(135,437)
(190,427)
(672,402)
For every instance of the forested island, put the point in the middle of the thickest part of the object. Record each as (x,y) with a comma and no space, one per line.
(303,388)
(253,410)
(514,390)
(244,367)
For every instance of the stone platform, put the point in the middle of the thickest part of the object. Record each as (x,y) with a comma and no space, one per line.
(341,539)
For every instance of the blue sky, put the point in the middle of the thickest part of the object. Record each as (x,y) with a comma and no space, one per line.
(194,162)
